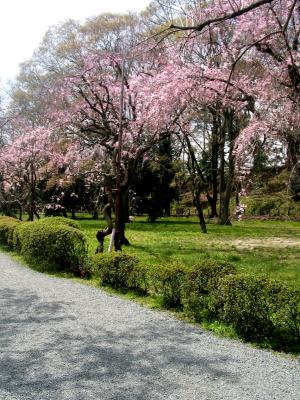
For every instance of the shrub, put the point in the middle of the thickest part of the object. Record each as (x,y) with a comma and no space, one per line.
(56,245)
(60,220)
(245,304)
(7,227)
(259,307)
(120,270)
(166,281)
(199,287)
(286,315)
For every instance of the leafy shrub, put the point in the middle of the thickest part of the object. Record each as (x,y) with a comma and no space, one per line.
(259,307)
(56,245)
(246,305)
(286,315)
(119,270)
(166,281)
(7,227)
(199,287)
(61,220)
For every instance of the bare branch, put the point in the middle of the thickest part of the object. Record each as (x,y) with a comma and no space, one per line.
(212,21)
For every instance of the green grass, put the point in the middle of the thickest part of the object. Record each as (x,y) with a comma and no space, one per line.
(179,239)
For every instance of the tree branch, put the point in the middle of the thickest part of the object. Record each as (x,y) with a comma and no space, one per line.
(212,21)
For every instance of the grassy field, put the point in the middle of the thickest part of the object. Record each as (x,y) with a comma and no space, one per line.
(270,247)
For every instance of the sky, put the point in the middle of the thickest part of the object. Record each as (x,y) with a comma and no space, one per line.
(23,24)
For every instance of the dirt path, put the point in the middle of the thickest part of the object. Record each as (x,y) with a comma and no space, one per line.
(276,242)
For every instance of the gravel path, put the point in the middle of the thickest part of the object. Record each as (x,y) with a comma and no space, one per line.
(63,340)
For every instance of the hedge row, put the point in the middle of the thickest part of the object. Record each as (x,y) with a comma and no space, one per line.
(258,308)
(7,227)
(55,243)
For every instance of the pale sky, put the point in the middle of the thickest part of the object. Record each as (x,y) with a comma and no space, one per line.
(24,22)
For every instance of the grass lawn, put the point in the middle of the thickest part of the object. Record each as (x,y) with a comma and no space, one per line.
(270,247)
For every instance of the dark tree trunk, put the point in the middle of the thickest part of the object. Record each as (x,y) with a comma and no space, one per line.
(120,238)
(32,196)
(226,179)
(32,205)
(293,150)
(215,147)
(124,216)
(20,213)
(95,214)
(198,205)
(223,214)
(212,201)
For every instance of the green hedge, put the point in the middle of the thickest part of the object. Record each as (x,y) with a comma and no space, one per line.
(259,307)
(119,270)
(175,284)
(200,286)
(165,281)
(61,220)
(7,227)
(54,245)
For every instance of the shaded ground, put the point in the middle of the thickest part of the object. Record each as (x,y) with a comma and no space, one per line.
(63,340)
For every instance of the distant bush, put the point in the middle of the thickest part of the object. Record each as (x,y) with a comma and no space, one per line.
(200,286)
(259,307)
(7,227)
(276,205)
(56,245)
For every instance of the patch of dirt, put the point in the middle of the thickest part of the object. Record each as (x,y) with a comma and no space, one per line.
(276,242)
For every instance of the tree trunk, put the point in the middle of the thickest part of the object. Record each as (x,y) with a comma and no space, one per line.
(226,183)
(215,147)
(293,150)
(107,231)
(20,213)
(212,201)
(95,214)
(198,205)
(120,238)
(223,212)
(31,204)
(32,196)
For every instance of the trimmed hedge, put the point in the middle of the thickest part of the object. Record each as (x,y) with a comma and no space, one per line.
(200,286)
(7,227)
(119,270)
(259,307)
(61,220)
(173,283)
(166,282)
(55,245)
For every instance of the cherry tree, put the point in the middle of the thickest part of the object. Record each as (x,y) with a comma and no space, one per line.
(258,43)
(87,107)
(23,163)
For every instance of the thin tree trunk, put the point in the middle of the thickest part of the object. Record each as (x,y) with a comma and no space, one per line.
(215,147)
(198,205)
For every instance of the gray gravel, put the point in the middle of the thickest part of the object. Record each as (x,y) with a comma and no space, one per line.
(63,340)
